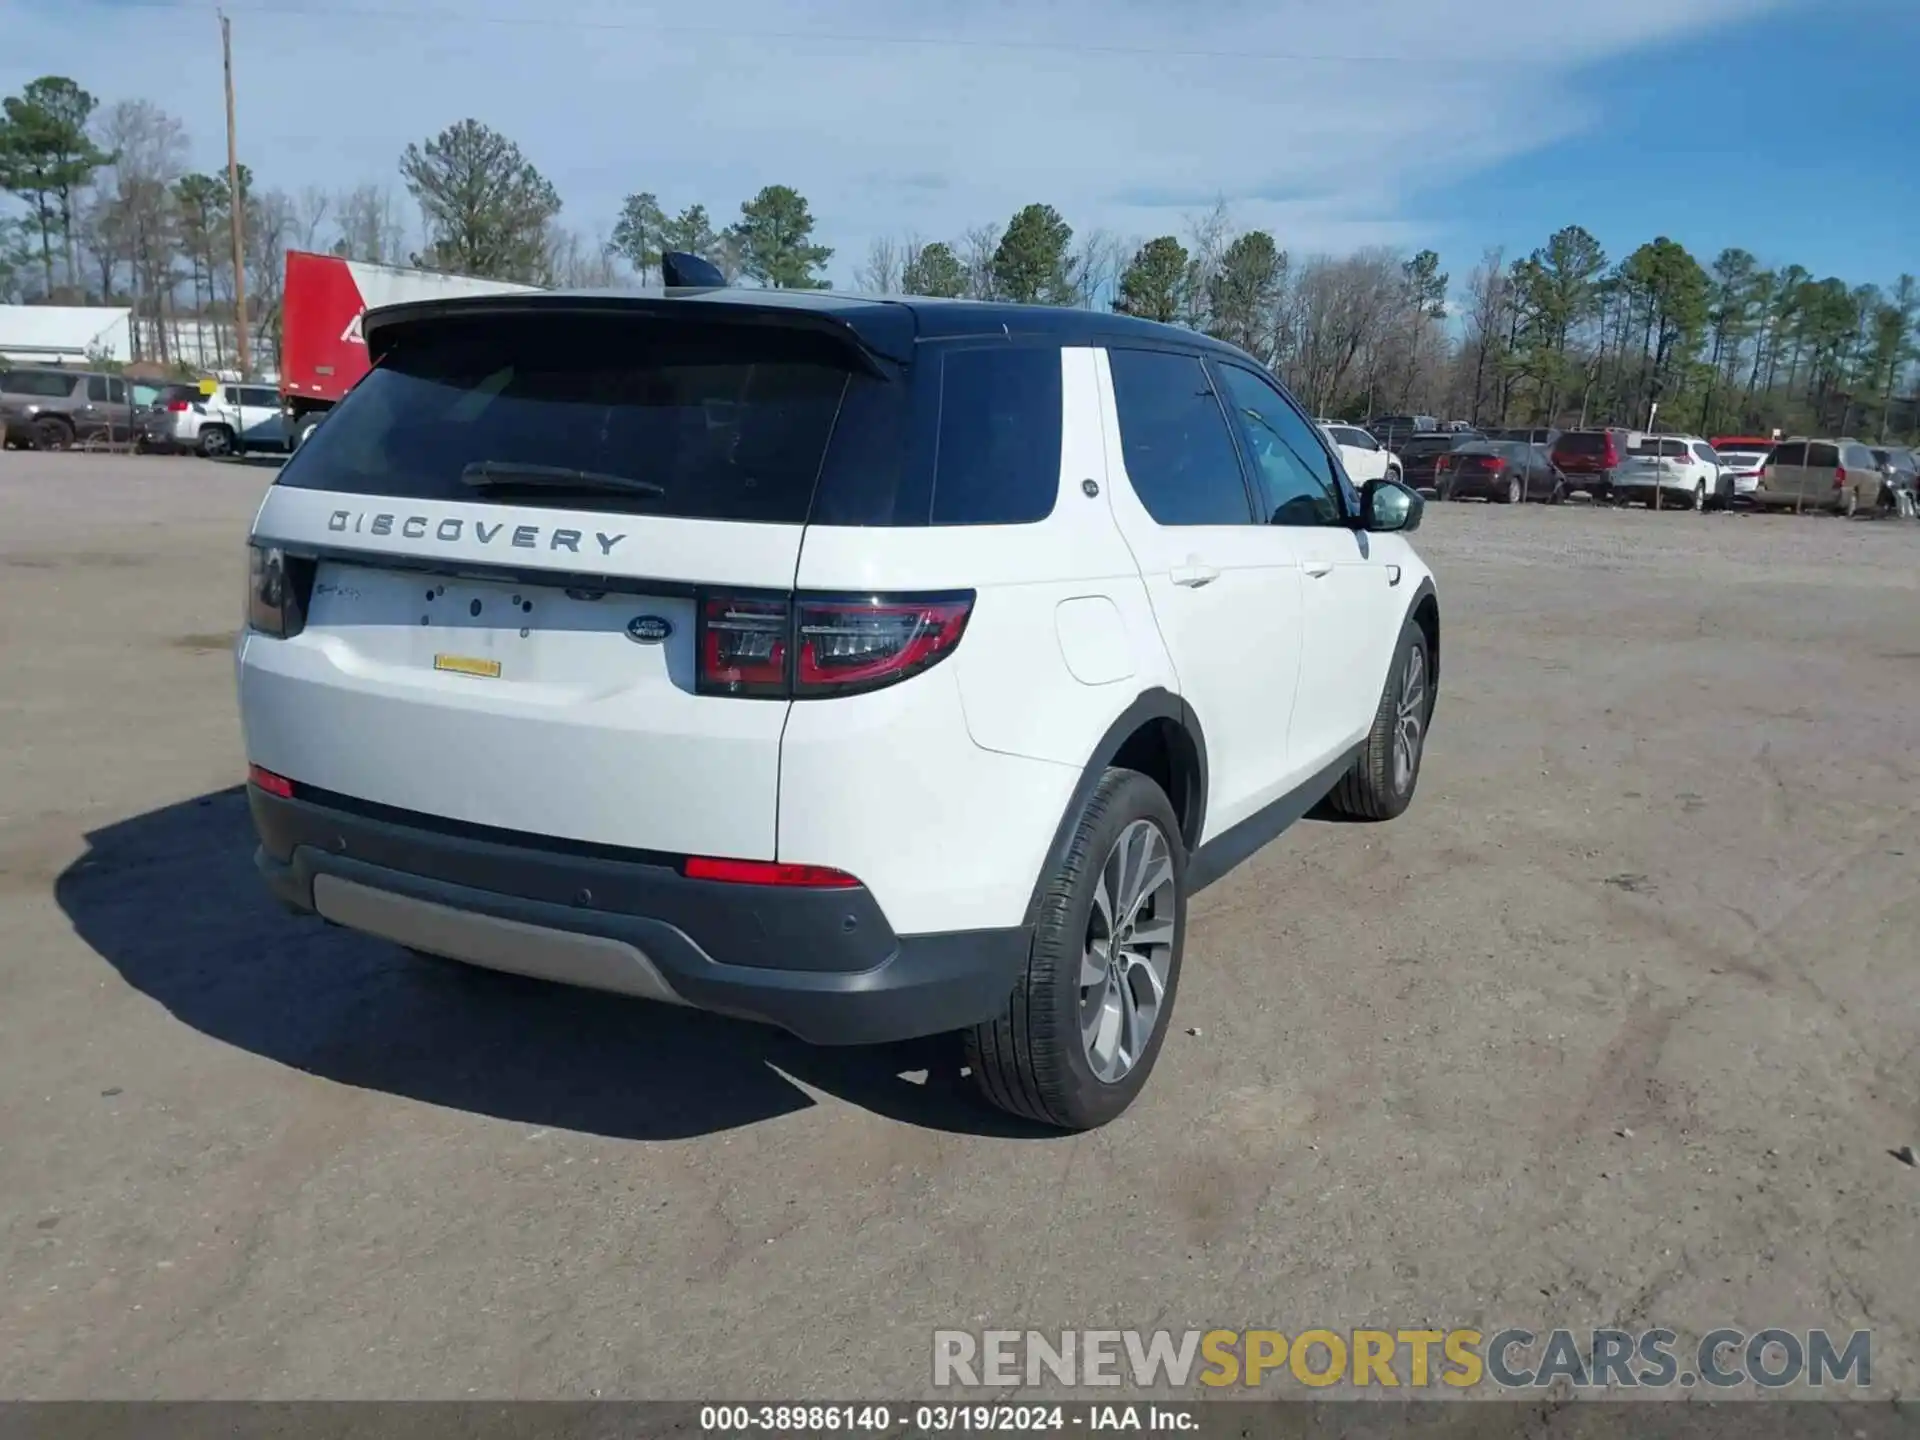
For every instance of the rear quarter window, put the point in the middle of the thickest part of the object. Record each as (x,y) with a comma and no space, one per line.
(997,457)
(1789,455)
(36,382)
(1823,457)
(1181,458)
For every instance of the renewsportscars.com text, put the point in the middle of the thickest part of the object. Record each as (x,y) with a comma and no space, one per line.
(1514,1359)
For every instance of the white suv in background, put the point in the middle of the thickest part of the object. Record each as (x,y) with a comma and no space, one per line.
(230,421)
(873,669)
(1673,471)
(1365,458)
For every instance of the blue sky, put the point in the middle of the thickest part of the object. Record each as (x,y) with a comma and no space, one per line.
(1458,124)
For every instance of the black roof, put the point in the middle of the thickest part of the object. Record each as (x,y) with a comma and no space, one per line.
(884,324)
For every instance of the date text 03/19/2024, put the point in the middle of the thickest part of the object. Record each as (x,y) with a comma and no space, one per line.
(941,1418)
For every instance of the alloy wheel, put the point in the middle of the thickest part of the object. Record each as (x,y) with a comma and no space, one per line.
(1129,951)
(1410,718)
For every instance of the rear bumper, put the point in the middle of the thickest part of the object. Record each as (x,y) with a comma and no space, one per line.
(823,964)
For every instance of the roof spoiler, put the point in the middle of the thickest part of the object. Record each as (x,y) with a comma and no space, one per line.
(681,270)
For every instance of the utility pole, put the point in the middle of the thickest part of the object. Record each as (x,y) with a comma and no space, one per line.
(236,208)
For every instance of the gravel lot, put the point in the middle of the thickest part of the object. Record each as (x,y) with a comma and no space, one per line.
(1620,1024)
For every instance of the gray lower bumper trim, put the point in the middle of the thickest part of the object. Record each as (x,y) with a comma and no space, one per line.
(597,962)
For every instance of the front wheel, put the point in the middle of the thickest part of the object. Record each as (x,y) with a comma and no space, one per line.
(52,434)
(1381,783)
(1086,1020)
(1512,494)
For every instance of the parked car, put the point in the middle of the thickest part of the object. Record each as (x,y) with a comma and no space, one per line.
(1393,431)
(1742,457)
(1900,474)
(1504,471)
(231,420)
(1672,471)
(1805,473)
(1419,455)
(1365,457)
(58,409)
(1590,458)
(868,668)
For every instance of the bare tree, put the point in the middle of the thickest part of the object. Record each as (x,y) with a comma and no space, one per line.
(977,249)
(369,226)
(272,224)
(310,211)
(136,221)
(576,263)
(1098,260)
(1483,347)
(881,272)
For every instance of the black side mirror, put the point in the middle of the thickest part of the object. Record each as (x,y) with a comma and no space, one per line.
(1388,505)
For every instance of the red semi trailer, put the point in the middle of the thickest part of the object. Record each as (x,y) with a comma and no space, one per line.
(322,353)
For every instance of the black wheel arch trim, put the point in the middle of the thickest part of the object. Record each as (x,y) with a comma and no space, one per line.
(1422,593)
(1150,705)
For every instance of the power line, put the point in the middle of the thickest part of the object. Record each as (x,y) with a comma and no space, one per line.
(716,32)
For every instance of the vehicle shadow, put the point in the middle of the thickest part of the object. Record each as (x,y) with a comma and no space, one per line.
(171,900)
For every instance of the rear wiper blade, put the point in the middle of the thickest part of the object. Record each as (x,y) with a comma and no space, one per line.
(485,474)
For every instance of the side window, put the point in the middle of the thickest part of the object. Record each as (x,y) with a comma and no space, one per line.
(262,398)
(117,392)
(231,394)
(1860,458)
(1789,455)
(96,387)
(1297,480)
(1823,457)
(998,456)
(1180,455)
(1702,451)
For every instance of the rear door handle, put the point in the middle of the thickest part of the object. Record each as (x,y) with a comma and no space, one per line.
(1319,569)
(1193,574)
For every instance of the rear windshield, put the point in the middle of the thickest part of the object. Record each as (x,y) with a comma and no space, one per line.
(1581,442)
(36,382)
(767,424)
(1660,447)
(1432,443)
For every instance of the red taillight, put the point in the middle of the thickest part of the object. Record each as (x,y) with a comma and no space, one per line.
(177,407)
(767,872)
(809,646)
(848,645)
(1490,462)
(743,645)
(271,783)
(1610,457)
(1840,478)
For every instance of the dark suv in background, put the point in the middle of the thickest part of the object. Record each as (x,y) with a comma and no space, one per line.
(56,409)
(1588,458)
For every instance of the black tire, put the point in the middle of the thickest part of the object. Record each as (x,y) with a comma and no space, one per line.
(1848,503)
(1392,477)
(303,434)
(1513,494)
(1557,495)
(215,440)
(1443,489)
(1374,789)
(1700,496)
(1032,1061)
(51,433)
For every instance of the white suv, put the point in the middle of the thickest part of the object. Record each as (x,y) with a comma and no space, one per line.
(1365,458)
(870,668)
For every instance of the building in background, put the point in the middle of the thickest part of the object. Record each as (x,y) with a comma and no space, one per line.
(64,334)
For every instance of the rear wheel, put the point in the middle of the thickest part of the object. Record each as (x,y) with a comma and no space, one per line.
(1085,1023)
(52,433)
(1512,494)
(1700,495)
(1381,783)
(1557,495)
(216,440)
(1849,502)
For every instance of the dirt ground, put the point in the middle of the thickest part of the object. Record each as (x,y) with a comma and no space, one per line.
(1619,1025)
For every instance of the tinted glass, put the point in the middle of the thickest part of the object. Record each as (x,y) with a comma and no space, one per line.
(1581,442)
(1704,451)
(97,388)
(1790,454)
(255,395)
(1435,444)
(1675,448)
(1822,457)
(36,382)
(172,393)
(1179,453)
(117,391)
(733,423)
(1297,481)
(998,457)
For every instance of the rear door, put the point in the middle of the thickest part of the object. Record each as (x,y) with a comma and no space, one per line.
(260,420)
(1225,589)
(492,641)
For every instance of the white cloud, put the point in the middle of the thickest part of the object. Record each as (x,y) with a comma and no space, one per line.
(1125,114)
